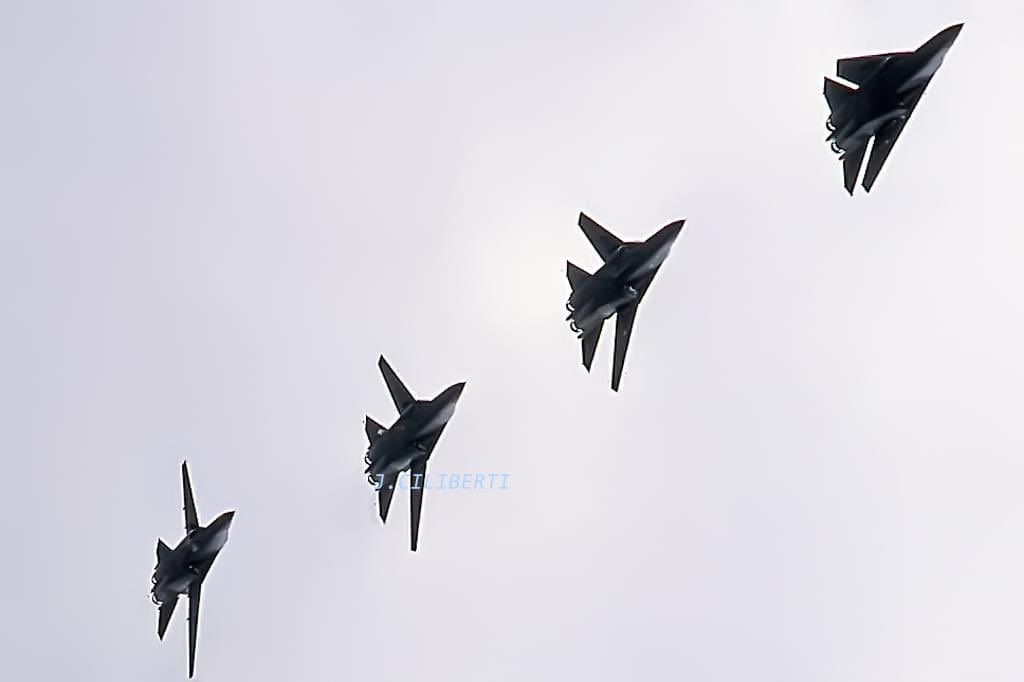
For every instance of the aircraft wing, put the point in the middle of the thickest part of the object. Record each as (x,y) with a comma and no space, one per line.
(194,592)
(859,69)
(191,518)
(624,329)
(886,138)
(603,241)
(166,610)
(399,393)
(385,493)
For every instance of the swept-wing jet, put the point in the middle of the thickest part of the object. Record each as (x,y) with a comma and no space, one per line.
(889,86)
(183,569)
(615,289)
(407,444)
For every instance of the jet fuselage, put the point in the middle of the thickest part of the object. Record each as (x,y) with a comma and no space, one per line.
(882,96)
(612,287)
(177,568)
(403,443)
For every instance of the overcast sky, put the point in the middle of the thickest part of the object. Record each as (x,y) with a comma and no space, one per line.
(215,215)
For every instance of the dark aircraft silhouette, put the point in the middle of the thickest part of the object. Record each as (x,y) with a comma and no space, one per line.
(616,288)
(408,444)
(889,88)
(182,570)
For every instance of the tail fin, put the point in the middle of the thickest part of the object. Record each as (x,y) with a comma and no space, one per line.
(590,340)
(166,610)
(852,161)
(836,93)
(373,429)
(576,275)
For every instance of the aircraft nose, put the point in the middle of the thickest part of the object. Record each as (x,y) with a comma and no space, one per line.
(456,390)
(952,32)
(670,232)
(227,518)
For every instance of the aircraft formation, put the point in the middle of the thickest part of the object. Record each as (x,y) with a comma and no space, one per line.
(883,91)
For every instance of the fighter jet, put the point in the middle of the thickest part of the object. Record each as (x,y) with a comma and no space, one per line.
(183,569)
(615,289)
(408,444)
(889,87)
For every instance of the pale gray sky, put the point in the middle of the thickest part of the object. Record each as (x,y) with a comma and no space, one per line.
(215,215)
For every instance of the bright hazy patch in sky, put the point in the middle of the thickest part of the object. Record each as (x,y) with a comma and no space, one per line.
(215,216)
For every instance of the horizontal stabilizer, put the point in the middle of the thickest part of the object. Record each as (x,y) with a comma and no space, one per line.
(836,93)
(162,550)
(576,275)
(373,429)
